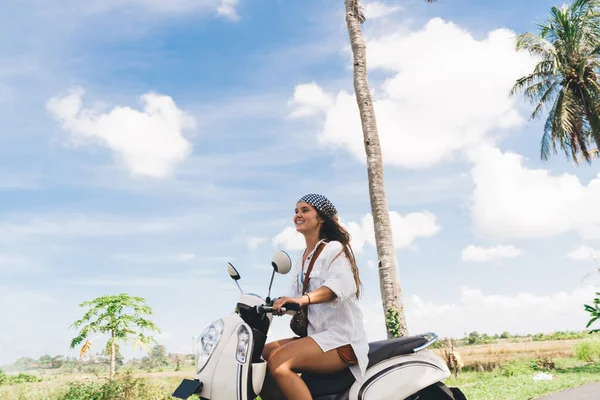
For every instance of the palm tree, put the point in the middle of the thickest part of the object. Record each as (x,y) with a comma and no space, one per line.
(565,80)
(389,278)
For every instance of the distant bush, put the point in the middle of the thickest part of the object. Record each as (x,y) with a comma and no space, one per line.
(23,378)
(588,350)
(14,379)
(560,335)
(475,338)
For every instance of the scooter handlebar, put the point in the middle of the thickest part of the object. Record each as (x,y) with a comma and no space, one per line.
(286,307)
(292,306)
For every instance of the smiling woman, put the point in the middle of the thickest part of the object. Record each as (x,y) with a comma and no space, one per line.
(331,335)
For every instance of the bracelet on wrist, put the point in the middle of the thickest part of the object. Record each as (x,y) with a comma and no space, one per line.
(308,298)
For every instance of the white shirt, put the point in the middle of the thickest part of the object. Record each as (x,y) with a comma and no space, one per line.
(339,322)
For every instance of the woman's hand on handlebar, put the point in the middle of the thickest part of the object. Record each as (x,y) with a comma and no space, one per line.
(280,302)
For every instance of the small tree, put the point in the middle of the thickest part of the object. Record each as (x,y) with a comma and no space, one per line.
(122,316)
(594,312)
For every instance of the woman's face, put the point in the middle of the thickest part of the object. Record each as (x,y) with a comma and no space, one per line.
(306,218)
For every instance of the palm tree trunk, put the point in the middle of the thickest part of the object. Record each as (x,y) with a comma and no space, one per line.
(389,279)
(112,355)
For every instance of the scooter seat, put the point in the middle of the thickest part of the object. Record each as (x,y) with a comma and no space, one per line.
(384,349)
(336,385)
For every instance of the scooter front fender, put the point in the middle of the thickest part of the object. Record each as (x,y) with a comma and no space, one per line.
(399,377)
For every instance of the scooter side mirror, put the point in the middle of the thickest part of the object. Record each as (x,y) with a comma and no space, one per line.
(281,262)
(233,272)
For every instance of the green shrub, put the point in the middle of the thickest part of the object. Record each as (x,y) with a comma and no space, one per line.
(126,387)
(515,368)
(23,378)
(14,379)
(588,350)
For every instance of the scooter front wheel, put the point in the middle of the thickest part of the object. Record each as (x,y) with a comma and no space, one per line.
(438,391)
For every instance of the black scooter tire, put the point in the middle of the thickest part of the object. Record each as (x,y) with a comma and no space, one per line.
(438,391)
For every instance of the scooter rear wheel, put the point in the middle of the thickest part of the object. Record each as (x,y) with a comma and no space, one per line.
(438,391)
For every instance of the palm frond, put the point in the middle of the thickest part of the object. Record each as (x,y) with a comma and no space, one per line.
(523,83)
(550,91)
(590,110)
(548,141)
(536,45)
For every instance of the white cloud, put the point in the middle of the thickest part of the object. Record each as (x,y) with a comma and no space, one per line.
(377,9)
(149,142)
(405,230)
(447,92)
(253,242)
(523,313)
(289,239)
(309,99)
(512,201)
(584,252)
(227,9)
(185,256)
(490,313)
(482,254)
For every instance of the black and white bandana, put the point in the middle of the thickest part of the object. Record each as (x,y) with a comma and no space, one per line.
(321,203)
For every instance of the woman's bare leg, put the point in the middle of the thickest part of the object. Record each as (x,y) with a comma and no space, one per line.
(270,389)
(269,347)
(301,355)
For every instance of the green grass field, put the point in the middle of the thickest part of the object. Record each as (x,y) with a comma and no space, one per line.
(512,381)
(515,381)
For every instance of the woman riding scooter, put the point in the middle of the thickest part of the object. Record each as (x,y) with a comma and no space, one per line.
(331,334)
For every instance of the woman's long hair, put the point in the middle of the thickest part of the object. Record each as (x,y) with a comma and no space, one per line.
(332,230)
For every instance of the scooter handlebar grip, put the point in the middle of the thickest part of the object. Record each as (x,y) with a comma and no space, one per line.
(292,307)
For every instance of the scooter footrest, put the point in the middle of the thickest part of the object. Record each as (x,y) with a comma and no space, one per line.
(187,388)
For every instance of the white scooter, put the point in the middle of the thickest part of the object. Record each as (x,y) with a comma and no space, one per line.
(229,363)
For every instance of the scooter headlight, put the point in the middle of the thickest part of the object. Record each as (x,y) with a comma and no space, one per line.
(243,343)
(207,342)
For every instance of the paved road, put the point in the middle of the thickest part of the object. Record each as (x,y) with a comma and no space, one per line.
(586,392)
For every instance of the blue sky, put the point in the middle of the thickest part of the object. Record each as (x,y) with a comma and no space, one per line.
(249,108)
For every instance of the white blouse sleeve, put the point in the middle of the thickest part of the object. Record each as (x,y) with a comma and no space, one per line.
(338,276)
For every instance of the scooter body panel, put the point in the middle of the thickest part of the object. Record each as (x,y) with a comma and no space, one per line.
(222,361)
(231,376)
(399,377)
